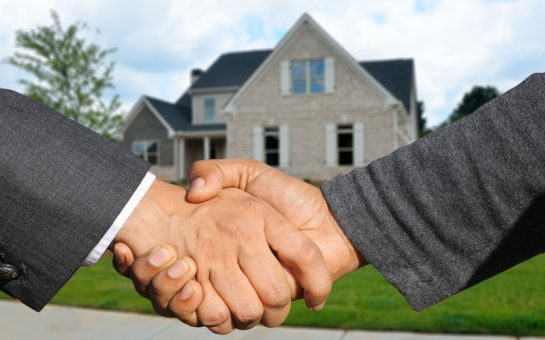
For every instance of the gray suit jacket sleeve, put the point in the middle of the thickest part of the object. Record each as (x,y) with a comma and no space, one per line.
(61,188)
(456,207)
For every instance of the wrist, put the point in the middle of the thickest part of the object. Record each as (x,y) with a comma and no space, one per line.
(349,258)
(149,224)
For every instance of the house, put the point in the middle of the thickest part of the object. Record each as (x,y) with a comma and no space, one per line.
(306,106)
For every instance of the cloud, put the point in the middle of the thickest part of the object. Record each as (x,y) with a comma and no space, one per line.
(455,43)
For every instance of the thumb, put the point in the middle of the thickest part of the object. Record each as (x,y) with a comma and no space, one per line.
(123,258)
(208,178)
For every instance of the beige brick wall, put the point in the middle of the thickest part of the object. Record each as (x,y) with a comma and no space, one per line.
(354,100)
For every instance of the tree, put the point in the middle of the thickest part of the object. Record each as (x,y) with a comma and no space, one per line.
(472,100)
(71,74)
(423,130)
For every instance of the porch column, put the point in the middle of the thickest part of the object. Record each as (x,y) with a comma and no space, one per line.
(206,148)
(179,158)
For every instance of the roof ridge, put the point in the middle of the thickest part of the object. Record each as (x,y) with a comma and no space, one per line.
(385,60)
(157,99)
(247,51)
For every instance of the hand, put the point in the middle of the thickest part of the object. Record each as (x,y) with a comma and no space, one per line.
(302,204)
(227,238)
(170,286)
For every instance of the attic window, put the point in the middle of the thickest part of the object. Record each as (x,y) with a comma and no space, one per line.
(209,109)
(307,76)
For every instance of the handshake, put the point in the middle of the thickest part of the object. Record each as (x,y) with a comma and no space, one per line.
(234,250)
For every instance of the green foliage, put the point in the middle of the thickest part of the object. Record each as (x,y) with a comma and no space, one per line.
(423,130)
(510,303)
(71,74)
(472,100)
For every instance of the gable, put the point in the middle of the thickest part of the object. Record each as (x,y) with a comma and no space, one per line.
(145,124)
(300,36)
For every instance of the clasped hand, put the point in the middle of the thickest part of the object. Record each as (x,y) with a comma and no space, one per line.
(234,250)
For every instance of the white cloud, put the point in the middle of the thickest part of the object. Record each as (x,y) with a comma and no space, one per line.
(456,43)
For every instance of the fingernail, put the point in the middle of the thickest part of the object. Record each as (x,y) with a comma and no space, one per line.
(178,269)
(159,257)
(186,292)
(318,307)
(197,184)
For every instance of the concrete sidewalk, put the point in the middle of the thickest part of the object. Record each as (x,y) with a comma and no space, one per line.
(55,322)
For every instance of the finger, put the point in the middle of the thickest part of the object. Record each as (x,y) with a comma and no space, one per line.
(184,305)
(213,312)
(123,259)
(165,285)
(150,264)
(268,278)
(239,295)
(304,259)
(209,177)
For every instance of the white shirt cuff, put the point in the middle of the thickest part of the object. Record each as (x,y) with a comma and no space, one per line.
(101,247)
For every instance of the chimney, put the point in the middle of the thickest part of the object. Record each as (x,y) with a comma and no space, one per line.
(196,73)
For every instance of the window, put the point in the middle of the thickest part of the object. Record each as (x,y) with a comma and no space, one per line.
(209,109)
(345,144)
(147,150)
(307,76)
(272,146)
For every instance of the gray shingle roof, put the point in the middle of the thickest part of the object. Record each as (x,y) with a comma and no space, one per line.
(395,75)
(179,117)
(233,69)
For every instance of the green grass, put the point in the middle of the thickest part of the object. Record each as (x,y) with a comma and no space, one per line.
(510,303)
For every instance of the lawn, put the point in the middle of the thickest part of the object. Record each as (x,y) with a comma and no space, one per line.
(510,303)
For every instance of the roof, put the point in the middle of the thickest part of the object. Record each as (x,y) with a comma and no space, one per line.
(395,75)
(233,69)
(179,117)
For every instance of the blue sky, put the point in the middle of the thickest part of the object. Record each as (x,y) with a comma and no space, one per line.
(455,43)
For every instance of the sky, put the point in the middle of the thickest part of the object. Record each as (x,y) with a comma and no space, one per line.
(455,44)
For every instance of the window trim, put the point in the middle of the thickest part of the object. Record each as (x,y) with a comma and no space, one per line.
(145,154)
(308,76)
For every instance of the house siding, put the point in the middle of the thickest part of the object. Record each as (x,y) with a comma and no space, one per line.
(198,107)
(147,126)
(355,100)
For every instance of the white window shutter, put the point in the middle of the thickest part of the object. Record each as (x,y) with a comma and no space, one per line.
(258,143)
(359,147)
(330,145)
(285,77)
(329,75)
(284,147)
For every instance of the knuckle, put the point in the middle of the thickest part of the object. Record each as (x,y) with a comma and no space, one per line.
(307,254)
(321,289)
(215,318)
(249,314)
(277,296)
(221,330)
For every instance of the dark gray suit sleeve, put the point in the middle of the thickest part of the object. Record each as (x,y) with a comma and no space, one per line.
(454,208)
(61,188)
